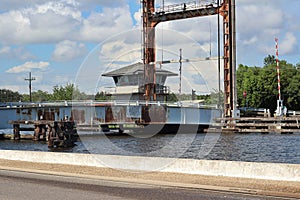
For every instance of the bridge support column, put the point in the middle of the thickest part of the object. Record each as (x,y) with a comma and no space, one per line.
(229,38)
(149,50)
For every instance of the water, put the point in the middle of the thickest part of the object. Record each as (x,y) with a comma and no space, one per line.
(254,147)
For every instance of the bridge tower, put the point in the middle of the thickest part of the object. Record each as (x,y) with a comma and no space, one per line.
(152,17)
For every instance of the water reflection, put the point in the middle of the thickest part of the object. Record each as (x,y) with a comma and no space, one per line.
(235,147)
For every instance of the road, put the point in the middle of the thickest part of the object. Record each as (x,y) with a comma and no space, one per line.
(16,185)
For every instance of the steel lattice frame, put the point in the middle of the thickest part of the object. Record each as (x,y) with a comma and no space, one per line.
(151,19)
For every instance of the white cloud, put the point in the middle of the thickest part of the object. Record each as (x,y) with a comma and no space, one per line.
(257,19)
(68,50)
(119,51)
(258,23)
(288,44)
(250,41)
(83,4)
(43,24)
(90,4)
(101,26)
(19,53)
(18,4)
(28,66)
(138,18)
(5,50)
(58,8)
(56,21)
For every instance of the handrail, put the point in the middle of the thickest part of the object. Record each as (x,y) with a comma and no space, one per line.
(112,103)
(186,6)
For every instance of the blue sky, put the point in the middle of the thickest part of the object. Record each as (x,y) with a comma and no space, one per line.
(74,41)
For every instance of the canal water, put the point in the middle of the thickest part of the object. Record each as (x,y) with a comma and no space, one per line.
(276,148)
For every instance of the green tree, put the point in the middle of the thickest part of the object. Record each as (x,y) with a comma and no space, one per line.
(261,85)
(240,80)
(270,60)
(9,96)
(213,98)
(102,96)
(40,96)
(69,92)
(247,80)
(172,97)
(293,91)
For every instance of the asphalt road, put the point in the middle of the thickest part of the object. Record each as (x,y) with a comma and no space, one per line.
(15,185)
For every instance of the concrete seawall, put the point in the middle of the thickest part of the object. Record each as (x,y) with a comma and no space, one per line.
(267,171)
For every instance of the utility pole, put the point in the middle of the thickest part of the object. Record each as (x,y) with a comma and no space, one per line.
(30,79)
(180,69)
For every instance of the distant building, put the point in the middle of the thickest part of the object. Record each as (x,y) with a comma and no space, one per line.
(129,82)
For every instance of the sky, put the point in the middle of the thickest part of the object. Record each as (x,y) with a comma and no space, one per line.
(75,41)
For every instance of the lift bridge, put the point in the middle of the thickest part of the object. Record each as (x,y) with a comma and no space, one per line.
(153,16)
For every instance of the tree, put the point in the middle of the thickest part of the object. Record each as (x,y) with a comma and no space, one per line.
(261,85)
(69,92)
(215,97)
(241,87)
(172,97)
(102,96)
(247,80)
(9,96)
(293,91)
(270,60)
(40,96)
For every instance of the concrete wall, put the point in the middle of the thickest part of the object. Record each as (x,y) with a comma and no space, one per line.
(269,171)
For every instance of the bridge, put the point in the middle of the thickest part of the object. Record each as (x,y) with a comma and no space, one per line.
(153,16)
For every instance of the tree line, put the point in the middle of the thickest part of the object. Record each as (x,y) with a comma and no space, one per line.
(59,93)
(70,92)
(257,87)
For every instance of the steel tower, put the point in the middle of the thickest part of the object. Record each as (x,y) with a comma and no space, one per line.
(152,17)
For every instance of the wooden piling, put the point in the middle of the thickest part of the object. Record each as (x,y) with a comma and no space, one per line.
(16,128)
(57,133)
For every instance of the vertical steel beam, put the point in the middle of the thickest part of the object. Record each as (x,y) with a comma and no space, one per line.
(227,69)
(233,56)
(149,51)
(228,12)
